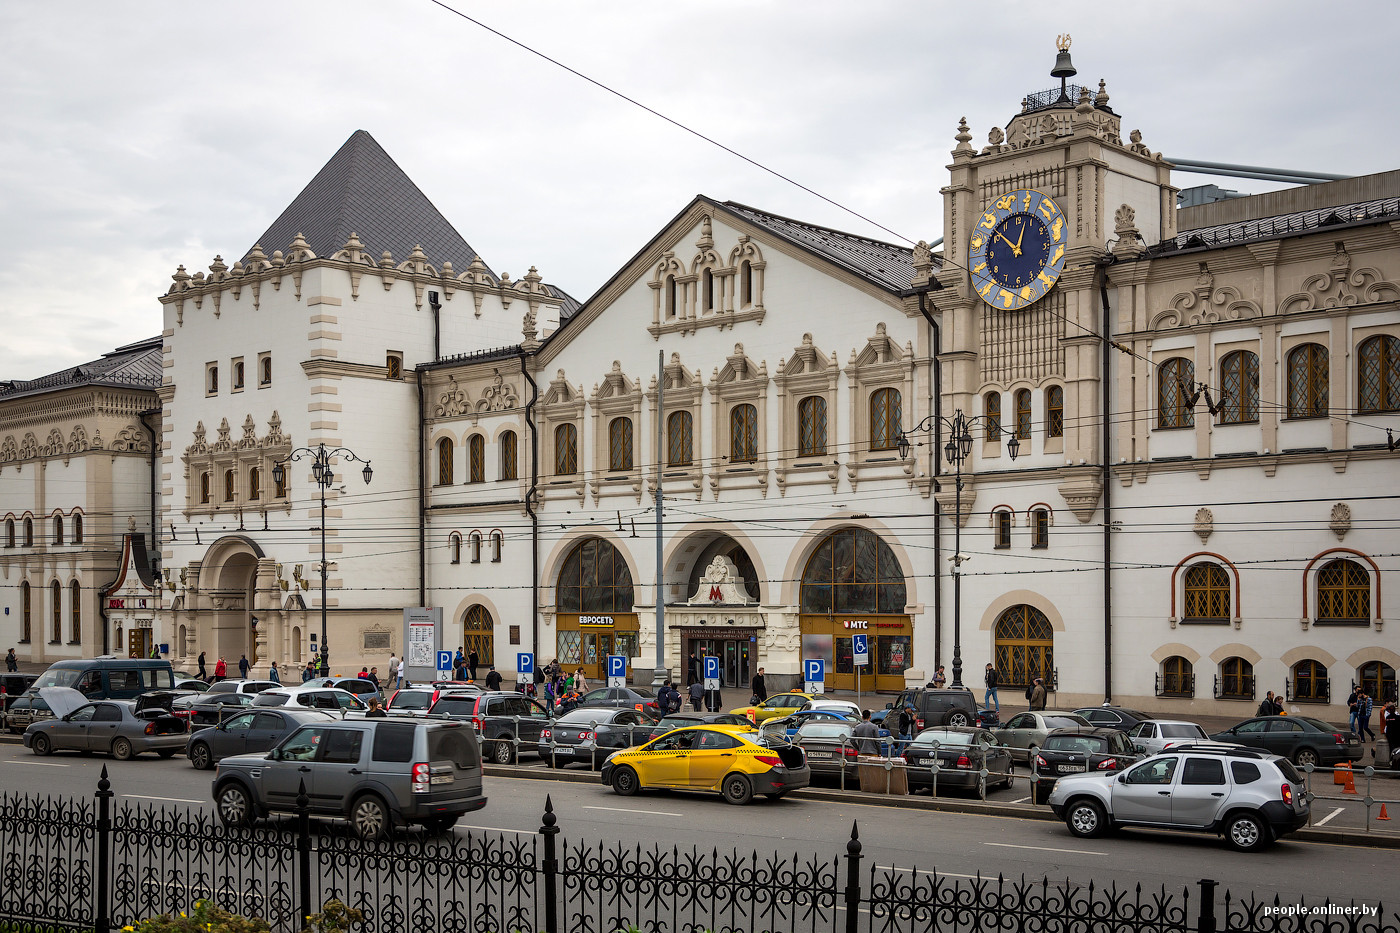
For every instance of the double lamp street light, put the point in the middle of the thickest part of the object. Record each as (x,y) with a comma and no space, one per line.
(956,451)
(324,476)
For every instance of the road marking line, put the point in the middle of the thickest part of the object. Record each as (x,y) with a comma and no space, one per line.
(1007,845)
(1329,816)
(625,810)
(170,799)
(1022,800)
(494,829)
(40,764)
(926,871)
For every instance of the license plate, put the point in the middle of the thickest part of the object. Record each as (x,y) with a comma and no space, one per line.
(923,761)
(1353,741)
(1070,769)
(820,754)
(443,779)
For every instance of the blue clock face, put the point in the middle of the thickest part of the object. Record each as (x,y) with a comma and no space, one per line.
(1017,249)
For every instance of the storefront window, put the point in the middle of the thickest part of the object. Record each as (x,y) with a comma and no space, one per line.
(626,644)
(569,647)
(853,570)
(595,578)
(894,653)
(817,646)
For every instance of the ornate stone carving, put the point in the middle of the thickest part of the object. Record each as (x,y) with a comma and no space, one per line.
(199,446)
(131,437)
(223,443)
(1205,524)
(9,450)
(1340,287)
(499,396)
(995,138)
(1206,304)
(78,440)
(1129,243)
(275,437)
(1080,488)
(1341,520)
(963,137)
(453,402)
(249,440)
(721,584)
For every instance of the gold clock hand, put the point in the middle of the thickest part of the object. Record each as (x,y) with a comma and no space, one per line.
(1020,238)
(1015,250)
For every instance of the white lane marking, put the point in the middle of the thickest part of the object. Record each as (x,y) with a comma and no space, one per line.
(1329,816)
(39,764)
(625,810)
(1007,845)
(926,871)
(494,829)
(168,799)
(1022,800)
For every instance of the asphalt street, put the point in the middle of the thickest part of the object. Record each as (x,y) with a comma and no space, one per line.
(953,844)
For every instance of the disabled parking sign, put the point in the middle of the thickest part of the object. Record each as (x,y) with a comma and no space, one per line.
(814,675)
(444,663)
(617,670)
(860,650)
(524,663)
(711,673)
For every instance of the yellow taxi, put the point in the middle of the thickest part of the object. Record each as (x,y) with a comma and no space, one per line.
(779,704)
(730,760)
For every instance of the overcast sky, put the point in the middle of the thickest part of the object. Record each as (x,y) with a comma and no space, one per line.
(141,135)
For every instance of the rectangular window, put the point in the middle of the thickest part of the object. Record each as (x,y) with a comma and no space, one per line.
(211,378)
(1040,528)
(393,365)
(566,450)
(237,383)
(264,369)
(1003,529)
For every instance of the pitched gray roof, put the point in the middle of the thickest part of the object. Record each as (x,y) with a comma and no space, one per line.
(1220,236)
(136,365)
(362,190)
(885,264)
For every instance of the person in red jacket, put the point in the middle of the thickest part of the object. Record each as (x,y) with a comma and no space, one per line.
(220,670)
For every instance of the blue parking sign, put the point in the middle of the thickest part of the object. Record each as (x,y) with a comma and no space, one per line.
(815,670)
(525,663)
(444,662)
(617,665)
(711,668)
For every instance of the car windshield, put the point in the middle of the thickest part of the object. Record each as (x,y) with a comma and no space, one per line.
(1182,731)
(824,729)
(944,738)
(1076,743)
(60,677)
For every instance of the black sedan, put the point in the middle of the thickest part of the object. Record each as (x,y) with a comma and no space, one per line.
(1079,751)
(687,720)
(209,709)
(640,699)
(1114,717)
(961,753)
(591,735)
(1305,740)
(247,733)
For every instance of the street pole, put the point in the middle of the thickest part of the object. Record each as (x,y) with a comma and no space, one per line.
(957,563)
(659,675)
(325,648)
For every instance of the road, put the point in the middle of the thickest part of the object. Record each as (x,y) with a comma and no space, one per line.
(958,845)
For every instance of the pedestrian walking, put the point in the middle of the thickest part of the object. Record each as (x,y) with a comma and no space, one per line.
(459,665)
(473,659)
(1037,696)
(1266,705)
(400,678)
(273,674)
(1363,715)
(308,672)
(692,669)
(155,652)
(392,671)
(866,735)
(220,669)
(580,682)
(992,679)
(12,662)
(493,679)
(760,689)
(203,674)
(243,667)
(1390,725)
(1352,709)
(906,724)
(373,677)
(697,694)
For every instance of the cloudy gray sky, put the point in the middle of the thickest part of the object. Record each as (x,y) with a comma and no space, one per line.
(141,135)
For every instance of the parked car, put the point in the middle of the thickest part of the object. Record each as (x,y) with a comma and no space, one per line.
(1160,734)
(210,709)
(961,753)
(1079,751)
(1249,797)
(242,686)
(26,710)
(501,719)
(113,726)
(687,720)
(787,726)
(248,731)
(779,704)
(362,688)
(731,760)
(373,772)
(109,678)
(1305,740)
(589,735)
(937,707)
(1025,733)
(329,698)
(829,744)
(840,706)
(13,686)
(190,683)
(1114,717)
(641,699)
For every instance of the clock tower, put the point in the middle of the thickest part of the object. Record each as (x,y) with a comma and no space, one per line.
(1030,221)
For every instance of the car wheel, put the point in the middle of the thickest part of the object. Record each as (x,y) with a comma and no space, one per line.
(737,790)
(502,753)
(370,817)
(958,719)
(625,782)
(234,805)
(165,752)
(122,750)
(41,744)
(1085,818)
(1304,757)
(1245,832)
(200,757)
(1010,779)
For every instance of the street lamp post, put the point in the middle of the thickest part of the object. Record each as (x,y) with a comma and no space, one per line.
(324,475)
(957,450)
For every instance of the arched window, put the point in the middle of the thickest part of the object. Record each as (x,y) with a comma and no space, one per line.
(1307,381)
(1178,678)
(707,282)
(204,491)
(743,434)
(853,570)
(213,374)
(1040,528)
(75,612)
(1310,683)
(454,547)
(56,613)
(1236,680)
(620,444)
(811,419)
(566,450)
(1175,385)
(265,374)
(594,578)
(885,419)
(1025,647)
(510,456)
(28,532)
(1376,677)
(497,544)
(1207,593)
(1344,593)
(991,408)
(58,529)
(393,365)
(478,634)
(1239,387)
(230,484)
(476,459)
(238,375)
(476,547)
(26,611)
(1055,411)
(1379,374)
(444,462)
(670,296)
(1023,414)
(1003,527)
(678,439)
(9,532)
(77,528)
(745,283)
(254,483)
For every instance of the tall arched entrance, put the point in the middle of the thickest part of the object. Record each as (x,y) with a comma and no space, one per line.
(228,581)
(594,617)
(479,635)
(719,615)
(854,583)
(1025,646)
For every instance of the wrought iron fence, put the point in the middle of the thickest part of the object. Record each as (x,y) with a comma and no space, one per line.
(71,864)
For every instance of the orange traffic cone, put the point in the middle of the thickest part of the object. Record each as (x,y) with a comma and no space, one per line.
(1342,773)
(1384,815)
(1351,783)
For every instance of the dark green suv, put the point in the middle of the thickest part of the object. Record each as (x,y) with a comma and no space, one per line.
(934,707)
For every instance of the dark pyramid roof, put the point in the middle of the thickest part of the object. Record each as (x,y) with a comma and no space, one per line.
(362,190)
(136,364)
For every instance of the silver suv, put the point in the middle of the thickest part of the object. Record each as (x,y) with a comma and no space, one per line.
(373,772)
(1250,797)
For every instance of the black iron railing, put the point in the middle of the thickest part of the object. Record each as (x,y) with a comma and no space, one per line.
(1237,687)
(67,864)
(1318,691)
(1175,685)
